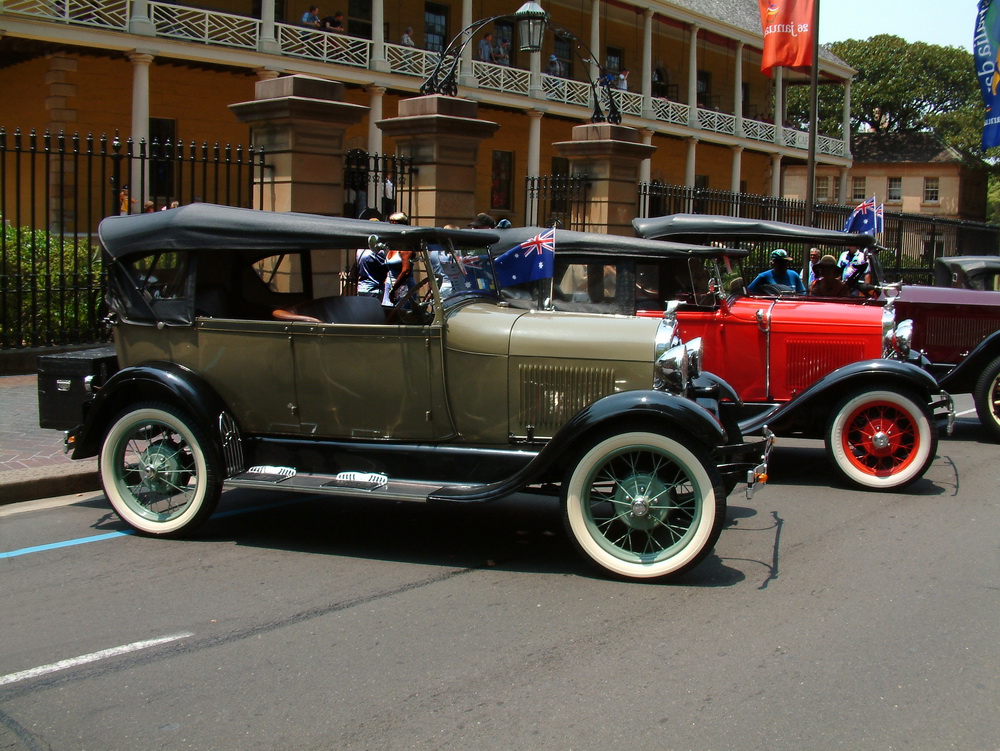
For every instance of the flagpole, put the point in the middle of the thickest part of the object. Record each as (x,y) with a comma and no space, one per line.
(813,125)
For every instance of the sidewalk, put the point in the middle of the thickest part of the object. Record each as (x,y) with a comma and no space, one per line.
(32,462)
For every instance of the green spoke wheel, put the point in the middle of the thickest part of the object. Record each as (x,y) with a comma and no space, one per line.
(158,470)
(644,505)
(987,398)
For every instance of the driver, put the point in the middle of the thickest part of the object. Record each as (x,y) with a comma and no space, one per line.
(778,274)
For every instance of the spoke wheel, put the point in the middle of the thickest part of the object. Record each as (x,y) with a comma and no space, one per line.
(158,470)
(881,439)
(987,398)
(643,505)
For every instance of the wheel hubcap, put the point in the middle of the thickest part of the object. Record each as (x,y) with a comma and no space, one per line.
(880,439)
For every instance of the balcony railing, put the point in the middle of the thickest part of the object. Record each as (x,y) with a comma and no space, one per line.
(228,30)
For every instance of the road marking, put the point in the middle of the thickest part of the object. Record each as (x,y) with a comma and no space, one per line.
(129,532)
(92,657)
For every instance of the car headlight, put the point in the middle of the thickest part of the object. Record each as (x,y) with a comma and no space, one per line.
(673,370)
(695,353)
(902,338)
(888,325)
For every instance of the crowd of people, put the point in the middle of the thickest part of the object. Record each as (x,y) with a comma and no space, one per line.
(828,276)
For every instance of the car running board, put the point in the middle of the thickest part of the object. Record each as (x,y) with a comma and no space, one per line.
(349,484)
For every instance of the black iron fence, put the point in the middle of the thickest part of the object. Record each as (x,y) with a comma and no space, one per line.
(556,201)
(377,184)
(54,191)
(911,241)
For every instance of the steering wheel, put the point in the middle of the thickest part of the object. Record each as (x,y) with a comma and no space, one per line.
(418,312)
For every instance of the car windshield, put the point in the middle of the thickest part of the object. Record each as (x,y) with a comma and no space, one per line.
(462,272)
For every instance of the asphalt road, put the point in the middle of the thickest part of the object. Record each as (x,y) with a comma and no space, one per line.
(827,619)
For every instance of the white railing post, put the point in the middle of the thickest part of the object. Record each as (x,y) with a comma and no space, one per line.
(139,22)
(378,59)
(267,42)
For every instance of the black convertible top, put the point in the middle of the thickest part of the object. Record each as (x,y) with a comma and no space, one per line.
(704,228)
(967,266)
(601,245)
(205,226)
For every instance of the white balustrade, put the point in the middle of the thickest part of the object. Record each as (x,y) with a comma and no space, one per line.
(205,26)
(718,122)
(501,78)
(566,90)
(329,47)
(671,112)
(410,61)
(106,14)
(758,131)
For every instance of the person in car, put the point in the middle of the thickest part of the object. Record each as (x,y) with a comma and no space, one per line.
(779,274)
(828,282)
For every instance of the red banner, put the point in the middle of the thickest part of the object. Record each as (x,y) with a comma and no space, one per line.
(788,33)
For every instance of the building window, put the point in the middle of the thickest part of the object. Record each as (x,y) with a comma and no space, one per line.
(932,190)
(823,188)
(359,18)
(894,190)
(701,182)
(857,188)
(435,27)
(502,183)
(613,59)
(564,51)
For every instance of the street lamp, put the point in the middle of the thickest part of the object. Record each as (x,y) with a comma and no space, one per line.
(532,21)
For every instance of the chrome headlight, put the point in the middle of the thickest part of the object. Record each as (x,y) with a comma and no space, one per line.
(888,325)
(673,370)
(695,353)
(902,338)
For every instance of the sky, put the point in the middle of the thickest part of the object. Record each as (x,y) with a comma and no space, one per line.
(948,23)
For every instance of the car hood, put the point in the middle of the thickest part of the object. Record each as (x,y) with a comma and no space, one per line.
(498,330)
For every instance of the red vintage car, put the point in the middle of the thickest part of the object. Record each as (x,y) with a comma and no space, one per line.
(956,330)
(803,367)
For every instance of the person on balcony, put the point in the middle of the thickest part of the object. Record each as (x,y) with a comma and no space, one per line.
(623,79)
(407,40)
(311,17)
(555,67)
(486,49)
(502,53)
(334,23)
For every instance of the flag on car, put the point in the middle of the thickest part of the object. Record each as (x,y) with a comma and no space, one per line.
(531,260)
(862,219)
(880,219)
(985,49)
(788,33)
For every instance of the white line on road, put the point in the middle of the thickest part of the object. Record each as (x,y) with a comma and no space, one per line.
(73,662)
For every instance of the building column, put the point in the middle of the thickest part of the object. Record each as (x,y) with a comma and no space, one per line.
(847,118)
(842,186)
(595,39)
(375,95)
(690,162)
(776,175)
(693,78)
(738,90)
(535,88)
(268,42)
(534,159)
(737,169)
(645,170)
(779,106)
(300,122)
(266,74)
(379,60)
(465,75)
(139,179)
(647,63)
(139,21)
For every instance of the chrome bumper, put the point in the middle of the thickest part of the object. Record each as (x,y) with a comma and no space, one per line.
(759,473)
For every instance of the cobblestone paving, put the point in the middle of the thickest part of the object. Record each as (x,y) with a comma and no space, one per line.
(24,445)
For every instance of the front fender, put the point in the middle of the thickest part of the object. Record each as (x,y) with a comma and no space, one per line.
(962,378)
(654,409)
(153,381)
(808,411)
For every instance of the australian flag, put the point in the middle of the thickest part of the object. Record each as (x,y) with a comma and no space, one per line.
(862,219)
(531,260)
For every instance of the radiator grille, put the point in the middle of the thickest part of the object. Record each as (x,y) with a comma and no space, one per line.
(551,395)
(959,331)
(809,359)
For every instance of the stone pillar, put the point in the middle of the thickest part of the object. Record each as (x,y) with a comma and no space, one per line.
(595,39)
(738,90)
(779,106)
(737,169)
(300,123)
(266,74)
(379,61)
(442,136)
(534,157)
(140,120)
(776,175)
(139,21)
(466,76)
(693,78)
(610,156)
(268,42)
(647,63)
(842,185)
(375,95)
(690,162)
(645,170)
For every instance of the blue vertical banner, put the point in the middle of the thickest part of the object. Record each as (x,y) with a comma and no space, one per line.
(985,49)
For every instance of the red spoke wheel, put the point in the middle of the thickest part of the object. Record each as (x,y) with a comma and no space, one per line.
(881,439)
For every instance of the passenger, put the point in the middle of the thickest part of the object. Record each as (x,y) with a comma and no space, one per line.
(779,274)
(828,282)
(399,269)
(371,273)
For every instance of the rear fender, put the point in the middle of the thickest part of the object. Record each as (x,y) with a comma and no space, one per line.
(807,413)
(628,410)
(155,381)
(962,378)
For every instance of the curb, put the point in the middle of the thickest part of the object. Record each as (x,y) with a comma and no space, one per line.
(40,482)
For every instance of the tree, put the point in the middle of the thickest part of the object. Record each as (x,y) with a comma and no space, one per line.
(902,86)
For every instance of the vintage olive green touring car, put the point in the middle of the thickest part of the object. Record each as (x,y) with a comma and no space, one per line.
(242,362)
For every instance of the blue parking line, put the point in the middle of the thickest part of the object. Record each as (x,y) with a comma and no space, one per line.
(127,532)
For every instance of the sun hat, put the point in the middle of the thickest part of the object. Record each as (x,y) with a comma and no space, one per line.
(553,57)
(779,253)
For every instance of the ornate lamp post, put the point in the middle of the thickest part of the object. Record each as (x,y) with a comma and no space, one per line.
(532,21)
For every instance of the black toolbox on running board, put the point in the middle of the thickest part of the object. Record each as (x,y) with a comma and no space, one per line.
(66,381)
